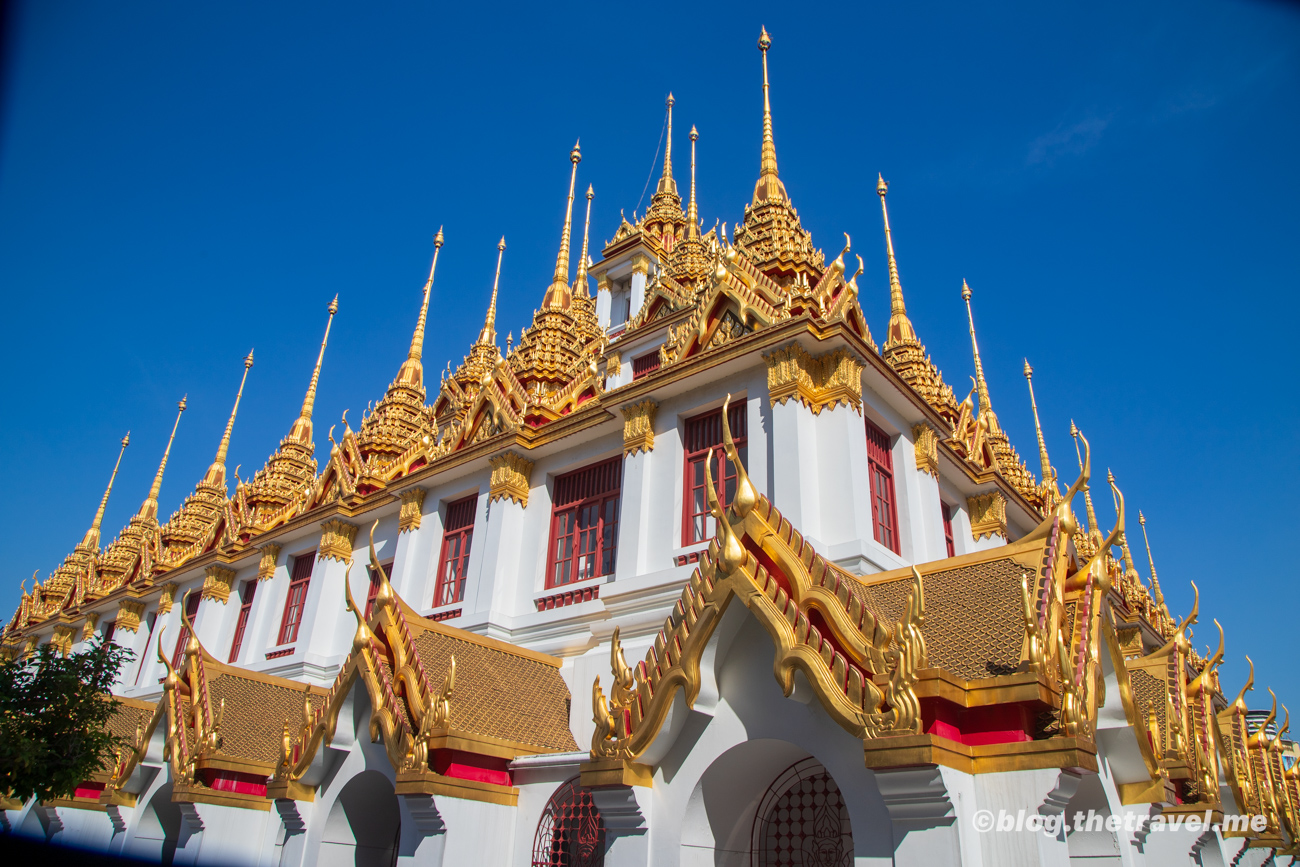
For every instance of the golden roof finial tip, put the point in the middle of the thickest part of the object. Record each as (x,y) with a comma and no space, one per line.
(670,99)
(764,41)
(1029,371)
(965,290)
(438,239)
(333,305)
(882,185)
(694,133)
(501,245)
(575,155)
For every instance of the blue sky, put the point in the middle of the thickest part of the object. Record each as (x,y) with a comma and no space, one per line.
(1117,182)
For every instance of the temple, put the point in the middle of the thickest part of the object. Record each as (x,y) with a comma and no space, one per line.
(697,572)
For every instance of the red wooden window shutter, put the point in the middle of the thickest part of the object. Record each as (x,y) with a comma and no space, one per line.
(584,523)
(296,599)
(947,530)
(453,561)
(645,365)
(704,436)
(246,594)
(880,468)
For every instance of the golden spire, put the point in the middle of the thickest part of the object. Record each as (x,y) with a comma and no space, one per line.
(900,327)
(692,213)
(1049,474)
(986,406)
(558,295)
(216,474)
(488,336)
(301,431)
(1087,493)
(1155,582)
(666,183)
(91,540)
(149,509)
(580,282)
(769,186)
(412,371)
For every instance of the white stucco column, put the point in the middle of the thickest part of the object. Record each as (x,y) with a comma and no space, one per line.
(625,811)
(634,520)
(325,634)
(795,480)
(1041,794)
(925,823)
(497,586)
(640,274)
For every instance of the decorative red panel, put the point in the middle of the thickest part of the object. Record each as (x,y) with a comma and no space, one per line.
(570,832)
(559,600)
(645,365)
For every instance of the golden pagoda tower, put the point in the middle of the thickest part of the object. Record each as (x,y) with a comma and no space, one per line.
(692,261)
(664,221)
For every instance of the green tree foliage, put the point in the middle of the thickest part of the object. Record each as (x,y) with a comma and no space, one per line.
(54,713)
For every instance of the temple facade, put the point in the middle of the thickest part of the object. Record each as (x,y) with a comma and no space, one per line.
(705,569)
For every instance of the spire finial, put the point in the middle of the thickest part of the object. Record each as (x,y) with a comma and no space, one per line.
(769,186)
(417,339)
(986,406)
(91,540)
(666,183)
(302,430)
(488,336)
(1087,492)
(217,472)
(1049,474)
(692,213)
(1155,582)
(580,282)
(149,509)
(558,295)
(900,327)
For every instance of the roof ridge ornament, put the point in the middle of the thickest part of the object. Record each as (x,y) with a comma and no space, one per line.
(149,508)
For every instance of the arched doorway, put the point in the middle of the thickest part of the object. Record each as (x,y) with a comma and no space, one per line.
(364,824)
(570,832)
(802,821)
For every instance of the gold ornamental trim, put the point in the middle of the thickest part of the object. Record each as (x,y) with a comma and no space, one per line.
(511,474)
(412,510)
(926,443)
(336,540)
(639,427)
(988,515)
(88,628)
(62,639)
(818,382)
(167,598)
(641,264)
(266,565)
(129,615)
(217,581)
(604,283)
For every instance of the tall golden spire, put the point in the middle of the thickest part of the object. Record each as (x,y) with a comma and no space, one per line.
(558,296)
(216,474)
(488,336)
(981,385)
(580,282)
(412,371)
(302,430)
(900,327)
(692,213)
(1155,582)
(666,183)
(149,508)
(1049,474)
(1087,493)
(91,539)
(769,186)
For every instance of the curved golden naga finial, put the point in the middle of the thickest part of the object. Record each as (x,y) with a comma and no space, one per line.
(216,474)
(1203,679)
(900,327)
(1049,472)
(149,508)
(769,186)
(1063,510)
(1087,494)
(731,554)
(171,680)
(1286,726)
(1157,596)
(488,336)
(302,430)
(1129,568)
(192,645)
(666,182)
(746,495)
(91,540)
(363,636)
(692,212)
(412,370)
(558,295)
(580,281)
(1179,639)
(1117,532)
(385,596)
(1260,738)
(1240,703)
(987,415)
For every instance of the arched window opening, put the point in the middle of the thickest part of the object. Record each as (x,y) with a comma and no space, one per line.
(570,832)
(802,820)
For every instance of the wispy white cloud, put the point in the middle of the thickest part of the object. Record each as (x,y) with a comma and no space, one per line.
(1070,140)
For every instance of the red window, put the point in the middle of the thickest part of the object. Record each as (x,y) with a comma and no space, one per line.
(880,467)
(704,437)
(645,365)
(453,563)
(296,600)
(109,631)
(947,530)
(584,523)
(374,585)
(191,611)
(571,832)
(246,593)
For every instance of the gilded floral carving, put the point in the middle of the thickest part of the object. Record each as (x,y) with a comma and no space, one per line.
(818,382)
(988,515)
(336,540)
(129,614)
(638,427)
(412,509)
(217,581)
(926,443)
(266,565)
(510,478)
(167,599)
